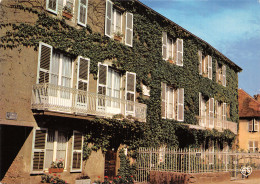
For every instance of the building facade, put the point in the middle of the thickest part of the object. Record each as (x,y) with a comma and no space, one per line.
(102,75)
(249,117)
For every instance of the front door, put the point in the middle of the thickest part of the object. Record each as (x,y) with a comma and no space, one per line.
(110,164)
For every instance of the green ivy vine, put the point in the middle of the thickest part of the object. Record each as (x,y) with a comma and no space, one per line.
(145,59)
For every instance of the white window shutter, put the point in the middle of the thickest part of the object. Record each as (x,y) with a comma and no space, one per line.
(44,63)
(163,96)
(83,73)
(200,62)
(210,67)
(224,112)
(52,6)
(180,109)
(211,113)
(224,75)
(164,45)
(82,12)
(76,155)
(38,150)
(108,21)
(179,52)
(129,29)
(130,91)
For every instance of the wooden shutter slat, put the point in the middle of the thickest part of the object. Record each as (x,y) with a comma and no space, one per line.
(102,74)
(179,52)
(200,62)
(83,69)
(77,141)
(224,75)
(129,29)
(44,63)
(250,126)
(108,22)
(163,108)
(130,82)
(180,104)
(209,67)
(164,46)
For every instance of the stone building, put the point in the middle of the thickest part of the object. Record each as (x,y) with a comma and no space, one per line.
(71,67)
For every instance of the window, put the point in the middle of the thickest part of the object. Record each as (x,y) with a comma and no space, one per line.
(114,23)
(253,146)
(205,65)
(82,12)
(172,51)
(82,82)
(172,103)
(53,67)
(109,84)
(76,156)
(253,125)
(206,111)
(221,74)
(48,146)
(52,6)
(130,92)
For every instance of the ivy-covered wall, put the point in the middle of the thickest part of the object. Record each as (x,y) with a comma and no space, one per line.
(145,59)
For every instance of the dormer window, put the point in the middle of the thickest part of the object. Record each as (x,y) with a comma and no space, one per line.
(115,19)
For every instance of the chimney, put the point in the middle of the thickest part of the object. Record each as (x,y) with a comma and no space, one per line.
(257,97)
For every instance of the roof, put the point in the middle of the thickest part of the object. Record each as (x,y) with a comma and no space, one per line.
(247,105)
(238,68)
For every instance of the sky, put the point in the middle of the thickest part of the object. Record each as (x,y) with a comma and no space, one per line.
(230,26)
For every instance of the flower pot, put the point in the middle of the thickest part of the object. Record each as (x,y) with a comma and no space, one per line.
(170,61)
(67,15)
(56,170)
(117,38)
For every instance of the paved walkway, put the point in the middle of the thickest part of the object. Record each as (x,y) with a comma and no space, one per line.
(244,181)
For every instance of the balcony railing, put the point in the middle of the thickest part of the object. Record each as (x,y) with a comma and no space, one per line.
(217,123)
(51,97)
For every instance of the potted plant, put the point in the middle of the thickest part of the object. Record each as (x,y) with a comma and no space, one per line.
(83,179)
(57,166)
(170,59)
(67,12)
(118,36)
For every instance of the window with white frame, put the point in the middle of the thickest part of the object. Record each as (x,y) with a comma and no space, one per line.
(114,24)
(253,146)
(82,12)
(202,110)
(221,74)
(76,156)
(66,9)
(48,146)
(52,6)
(206,111)
(109,84)
(172,51)
(253,125)
(54,68)
(205,65)
(172,105)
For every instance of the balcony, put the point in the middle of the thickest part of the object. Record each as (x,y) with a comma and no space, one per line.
(217,123)
(49,97)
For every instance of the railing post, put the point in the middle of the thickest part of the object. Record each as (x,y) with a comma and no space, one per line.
(189,160)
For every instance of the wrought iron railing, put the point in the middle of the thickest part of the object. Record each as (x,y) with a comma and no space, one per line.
(51,97)
(192,161)
(217,123)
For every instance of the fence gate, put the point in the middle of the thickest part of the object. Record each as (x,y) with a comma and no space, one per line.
(192,161)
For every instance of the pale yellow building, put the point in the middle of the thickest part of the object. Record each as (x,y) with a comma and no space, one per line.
(249,116)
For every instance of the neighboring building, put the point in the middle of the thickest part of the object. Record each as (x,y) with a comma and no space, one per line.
(249,118)
(68,66)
